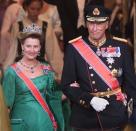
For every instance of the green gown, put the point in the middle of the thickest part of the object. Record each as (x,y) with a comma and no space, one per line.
(26,113)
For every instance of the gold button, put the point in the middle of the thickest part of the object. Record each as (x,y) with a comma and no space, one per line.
(102,93)
(90,67)
(108,89)
(80,101)
(93,82)
(83,102)
(92,75)
(110,66)
(108,96)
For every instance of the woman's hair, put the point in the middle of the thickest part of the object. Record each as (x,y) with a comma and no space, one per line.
(26,3)
(21,42)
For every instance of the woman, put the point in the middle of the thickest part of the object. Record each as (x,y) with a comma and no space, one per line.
(49,42)
(4,120)
(33,9)
(50,14)
(13,13)
(29,111)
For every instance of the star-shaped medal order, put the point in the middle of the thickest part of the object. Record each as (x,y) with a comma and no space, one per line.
(110,60)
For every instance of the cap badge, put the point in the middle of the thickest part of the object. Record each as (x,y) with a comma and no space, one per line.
(96,11)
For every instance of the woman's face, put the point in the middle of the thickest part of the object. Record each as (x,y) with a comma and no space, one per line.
(34,10)
(31,48)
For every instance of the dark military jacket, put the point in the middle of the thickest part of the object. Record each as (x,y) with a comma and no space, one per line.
(116,56)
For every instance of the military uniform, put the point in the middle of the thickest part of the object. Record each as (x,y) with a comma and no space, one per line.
(116,56)
(96,72)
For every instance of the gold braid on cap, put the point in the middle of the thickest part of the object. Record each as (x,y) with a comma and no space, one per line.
(96,12)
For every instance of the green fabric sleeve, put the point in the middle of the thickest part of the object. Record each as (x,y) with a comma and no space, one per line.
(53,95)
(53,89)
(8,83)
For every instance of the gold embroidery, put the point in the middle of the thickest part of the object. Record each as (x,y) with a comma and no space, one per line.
(96,11)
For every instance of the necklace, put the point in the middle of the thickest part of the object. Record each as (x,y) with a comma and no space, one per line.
(31,69)
(98,45)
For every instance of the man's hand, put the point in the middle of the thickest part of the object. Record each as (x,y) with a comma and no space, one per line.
(99,104)
(75,84)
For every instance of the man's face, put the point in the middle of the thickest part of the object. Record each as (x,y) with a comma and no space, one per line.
(97,30)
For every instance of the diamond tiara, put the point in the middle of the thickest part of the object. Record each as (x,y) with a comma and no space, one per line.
(33,28)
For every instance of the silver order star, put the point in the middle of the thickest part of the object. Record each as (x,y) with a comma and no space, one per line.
(110,60)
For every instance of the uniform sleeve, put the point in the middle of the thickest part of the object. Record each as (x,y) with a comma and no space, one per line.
(130,81)
(9,87)
(69,75)
(129,74)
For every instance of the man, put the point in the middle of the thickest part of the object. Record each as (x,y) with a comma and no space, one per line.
(71,15)
(73,24)
(96,71)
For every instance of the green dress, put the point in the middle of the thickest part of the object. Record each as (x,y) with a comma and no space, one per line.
(26,113)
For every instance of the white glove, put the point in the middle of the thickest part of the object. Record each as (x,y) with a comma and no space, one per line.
(99,104)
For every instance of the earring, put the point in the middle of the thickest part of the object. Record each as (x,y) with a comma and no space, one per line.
(38,53)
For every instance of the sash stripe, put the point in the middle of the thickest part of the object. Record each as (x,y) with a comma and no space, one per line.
(94,61)
(97,64)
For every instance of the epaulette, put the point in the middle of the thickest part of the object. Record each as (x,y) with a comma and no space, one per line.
(75,39)
(120,39)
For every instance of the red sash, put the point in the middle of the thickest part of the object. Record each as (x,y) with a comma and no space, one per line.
(35,93)
(97,64)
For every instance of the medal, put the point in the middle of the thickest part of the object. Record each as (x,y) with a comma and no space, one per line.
(111,52)
(114,72)
(110,60)
(98,52)
(117,73)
